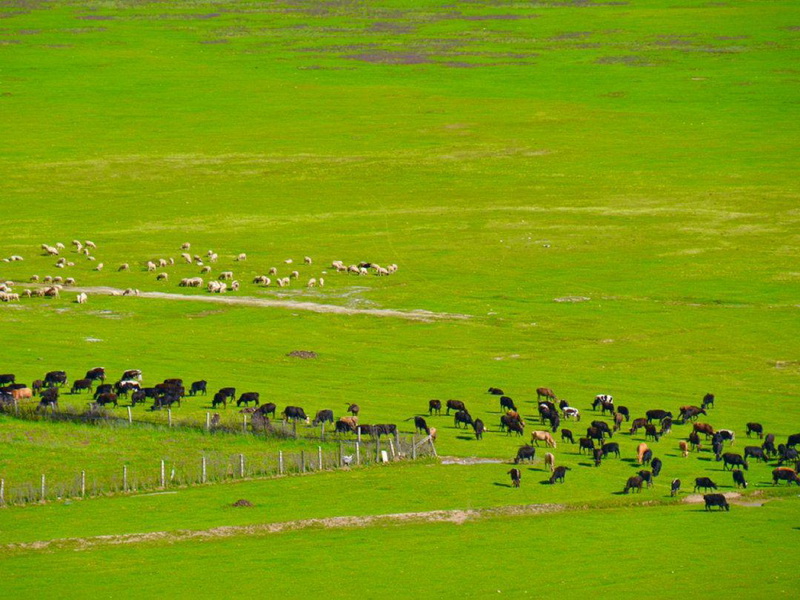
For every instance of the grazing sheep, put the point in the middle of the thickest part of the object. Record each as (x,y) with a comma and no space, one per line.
(162,262)
(58,279)
(321,282)
(70,264)
(225,275)
(213,257)
(273,271)
(209,253)
(151,266)
(99,267)
(235,286)
(81,298)
(380,271)
(51,292)
(187,258)
(89,244)
(124,267)
(86,252)
(35,278)
(205,270)
(307,260)
(288,261)
(241,257)
(47,279)
(392,268)
(27,293)
(294,274)
(78,246)
(59,245)
(76,243)
(90,258)
(61,261)
(162,277)
(16,258)
(130,292)
(59,265)
(312,282)
(186,246)
(261,279)
(69,281)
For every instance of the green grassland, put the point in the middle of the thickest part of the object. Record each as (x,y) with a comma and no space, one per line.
(639,156)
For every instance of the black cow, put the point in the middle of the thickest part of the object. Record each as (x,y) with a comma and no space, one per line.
(370,430)
(344,427)
(785,474)
(690,413)
(107,398)
(597,454)
(495,391)
(525,453)
(610,448)
(434,406)
(593,433)
(103,388)
(479,428)
(585,444)
(137,397)
(704,483)
(131,374)
(769,448)
(462,416)
(633,483)
(734,460)
(754,452)
(666,426)
(558,474)
(656,465)
(96,373)
(793,440)
(122,388)
(717,446)
(738,479)
(516,477)
(708,401)
(675,487)
(198,387)
(165,401)
(81,384)
(786,454)
(657,415)
(54,378)
(176,381)
(603,426)
(650,431)
(647,456)
(219,398)
(555,421)
(36,386)
(507,403)
(647,477)
(566,436)
(353,409)
(455,405)
(386,429)
(755,428)
(228,392)
(637,424)
(265,409)
(294,413)
(421,425)
(7,378)
(323,416)
(248,397)
(516,427)
(694,440)
(716,500)
(150,392)
(623,410)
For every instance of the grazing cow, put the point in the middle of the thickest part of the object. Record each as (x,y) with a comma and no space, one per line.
(228,392)
(708,401)
(585,444)
(516,477)
(637,424)
(640,450)
(570,412)
(647,477)
(755,428)
(550,461)
(7,378)
(610,448)
(656,465)
(786,454)
(543,436)
(294,413)
(785,474)
(54,378)
(618,418)
(566,436)
(344,426)
(633,483)
(248,397)
(544,392)
(479,428)
(525,453)
(704,483)
(36,386)
(597,455)
(517,427)
(21,393)
(793,440)
(727,435)
(704,428)
(512,422)
(108,398)
(738,479)
(131,374)
(455,405)
(650,431)
(604,406)
(219,398)
(137,397)
(462,416)
(47,400)
(716,500)
(507,403)
(103,388)
(657,415)
(266,409)
(555,421)
(754,452)
(122,388)
(496,391)
(558,474)
(769,448)
(733,460)
(666,426)
(324,416)
(604,398)
(647,457)
(198,387)
(603,426)
(694,440)
(81,384)
(675,487)
(595,434)
(353,409)
(420,425)
(691,413)
(96,373)
(386,429)
(623,410)
(434,406)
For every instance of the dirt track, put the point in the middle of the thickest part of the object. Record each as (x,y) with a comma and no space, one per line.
(413,315)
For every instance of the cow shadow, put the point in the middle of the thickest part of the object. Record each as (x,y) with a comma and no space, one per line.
(545,482)
(629,460)
(619,494)
(465,437)
(585,464)
(498,484)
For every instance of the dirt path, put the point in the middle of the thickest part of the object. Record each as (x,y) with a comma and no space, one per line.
(182,535)
(413,315)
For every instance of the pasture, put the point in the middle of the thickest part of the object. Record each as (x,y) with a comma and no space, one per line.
(598,198)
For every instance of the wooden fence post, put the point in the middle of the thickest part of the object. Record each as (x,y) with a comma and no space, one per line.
(163,475)
(203,478)
(208,421)
(433,448)
(2,492)
(378,450)
(124,478)
(303,460)
(241,465)
(340,454)
(44,487)
(322,431)
(244,423)
(358,433)
(319,458)
(358,452)
(391,448)
(414,447)
(83,484)
(280,462)
(169,416)
(130,415)
(294,428)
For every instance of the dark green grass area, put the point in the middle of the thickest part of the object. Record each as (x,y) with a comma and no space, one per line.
(422,558)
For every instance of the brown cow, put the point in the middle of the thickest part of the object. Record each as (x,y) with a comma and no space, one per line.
(516,476)
(637,423)
(684,448)
(543,436)
(705,428)
(544,392)
(640,450)
(550,461)
(22,393)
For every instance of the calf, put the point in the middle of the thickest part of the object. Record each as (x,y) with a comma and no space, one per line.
(675,487)
(755,428)
(623,410)
(420,425)
(516,477)
(525,453)
(704,483)
(434,406)
(558,474)
(566,436)
(684,447)
(219,398)
(716,500)
(633,483)
(647,477)
(597,454)
(647,456)
(738,479)
(354,409)
(479,428)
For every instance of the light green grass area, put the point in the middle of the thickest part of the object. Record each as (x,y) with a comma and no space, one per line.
(640,157)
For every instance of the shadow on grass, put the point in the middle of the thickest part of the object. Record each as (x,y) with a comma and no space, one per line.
(508,485)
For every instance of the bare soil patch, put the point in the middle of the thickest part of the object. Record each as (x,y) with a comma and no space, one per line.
(302,354)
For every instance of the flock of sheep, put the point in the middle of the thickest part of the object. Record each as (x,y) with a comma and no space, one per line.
(222,283)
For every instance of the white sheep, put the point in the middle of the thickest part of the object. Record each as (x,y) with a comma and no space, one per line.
(380,271)
(187,257)
(69,281)
(312,282)
(89,244)
(58,279)
(124,267)
(294,274)
(186,246)
(27,293)
(35,278)
(78,246)
(225,275)
(213,286)
(273,271)
(307,260)
(241,257)
(99,267)
(209,253)
(288,261)
(16,257)
(321,282)
(70,263)
(353,269)
(162,277)
(205,269)
(77,243)
(171,260)
(81,298)
(151,266)
(235,286)
(163,262)
(86,252)
(213,257)
(47,279)
(362,271)
(59,245)
(91,258)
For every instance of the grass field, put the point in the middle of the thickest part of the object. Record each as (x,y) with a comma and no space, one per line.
(638,158)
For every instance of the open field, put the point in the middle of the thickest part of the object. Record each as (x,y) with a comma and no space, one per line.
(596,197)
